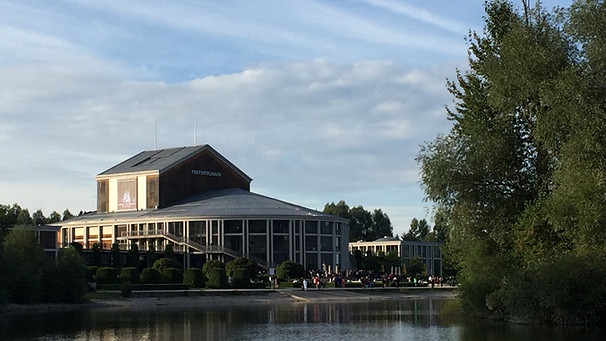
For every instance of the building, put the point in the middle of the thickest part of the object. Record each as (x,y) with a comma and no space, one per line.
(429,252)
(195,200)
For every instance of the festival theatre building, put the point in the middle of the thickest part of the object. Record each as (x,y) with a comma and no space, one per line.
(195,200)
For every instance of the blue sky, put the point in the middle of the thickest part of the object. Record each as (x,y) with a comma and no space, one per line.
(317,101)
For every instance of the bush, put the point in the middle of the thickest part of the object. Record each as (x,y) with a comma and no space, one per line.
(566,289)
(150,276)
(171,276)
(242,263)
(106,275)
(130,275)
(194,278)
(126,289)
(91,271)
(290,270)
(165,263)
(211,264)
(240,279)
(217,279)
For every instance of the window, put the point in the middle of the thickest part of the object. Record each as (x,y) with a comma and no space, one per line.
(326,243)
(232,226)
(257,226)
(311,227)
(281,226)
(326,227)
(311,243)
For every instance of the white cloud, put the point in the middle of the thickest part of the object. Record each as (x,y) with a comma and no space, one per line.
(313,129)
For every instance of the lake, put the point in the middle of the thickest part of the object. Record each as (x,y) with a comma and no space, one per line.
(412,319)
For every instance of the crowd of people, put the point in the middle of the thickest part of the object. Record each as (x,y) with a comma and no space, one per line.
(370,279)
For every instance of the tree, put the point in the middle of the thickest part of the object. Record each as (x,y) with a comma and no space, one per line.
(116,255)
(381,224)
(168,251)
(24,266)
(96,255)
(363,225)
(519,179)
(66,281)
(54,217)
(67,215)
(132,258)
(288,270)
(39,218)
(419,230)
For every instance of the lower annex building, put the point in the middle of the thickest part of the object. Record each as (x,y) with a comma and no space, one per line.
(195,200)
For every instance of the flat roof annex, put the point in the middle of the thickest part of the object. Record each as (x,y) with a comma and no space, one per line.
(162,160)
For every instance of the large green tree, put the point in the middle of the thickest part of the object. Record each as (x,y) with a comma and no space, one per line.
(520,178)
(363,224)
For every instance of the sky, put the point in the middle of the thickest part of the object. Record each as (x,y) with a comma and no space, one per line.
(317,101)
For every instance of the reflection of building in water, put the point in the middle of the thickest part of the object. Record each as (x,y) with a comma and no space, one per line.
(195,200)
(429,252)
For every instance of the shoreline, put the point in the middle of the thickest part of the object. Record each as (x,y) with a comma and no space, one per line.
(215,299)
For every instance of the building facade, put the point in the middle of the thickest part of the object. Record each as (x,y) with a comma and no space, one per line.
(200,204)
(430,253)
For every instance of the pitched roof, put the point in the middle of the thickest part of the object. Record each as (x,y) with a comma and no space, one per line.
(164,159)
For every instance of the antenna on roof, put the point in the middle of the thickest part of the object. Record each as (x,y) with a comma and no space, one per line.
(156,137)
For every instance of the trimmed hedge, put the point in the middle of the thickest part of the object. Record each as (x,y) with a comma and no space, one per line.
(194,278)
(91,272)
(106,275)
(171,275)
(217,279)
(241,279)
(150,276)
(130,275)
(140,287)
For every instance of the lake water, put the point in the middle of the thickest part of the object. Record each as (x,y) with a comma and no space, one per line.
(416,319)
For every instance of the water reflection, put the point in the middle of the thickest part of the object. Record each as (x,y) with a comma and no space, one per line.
(394,320)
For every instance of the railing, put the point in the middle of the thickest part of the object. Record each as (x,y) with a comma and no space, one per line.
(182,241)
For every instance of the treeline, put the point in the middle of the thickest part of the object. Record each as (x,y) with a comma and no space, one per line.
(520,179)
(363,225)
(14,215)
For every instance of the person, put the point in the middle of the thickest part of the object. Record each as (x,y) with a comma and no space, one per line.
(304,284)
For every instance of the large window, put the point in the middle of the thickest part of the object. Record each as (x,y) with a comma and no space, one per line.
(326,243)
(258,246)
(197,231)
(326,227)
(257,226)
(281,249)
(311,227)
(281,226)
(232,226)
(234,243)
(311,243)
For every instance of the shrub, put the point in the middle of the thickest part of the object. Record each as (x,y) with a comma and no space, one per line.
(150,276)
(91,271)
(211,264)
(194,278)
(171,276)
(240,279)
(106,275)
(217,279)
(126,289)
(290,270)
(242,263)
(130,275)
(165,263)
